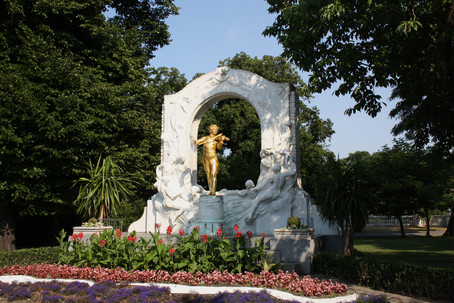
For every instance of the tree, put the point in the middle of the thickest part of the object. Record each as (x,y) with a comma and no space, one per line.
(406,45)
(395,181)
(344,197)
(238,120)
(101,194)
(73,86)
(409,181)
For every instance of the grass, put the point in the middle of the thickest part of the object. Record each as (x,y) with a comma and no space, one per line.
(413,250)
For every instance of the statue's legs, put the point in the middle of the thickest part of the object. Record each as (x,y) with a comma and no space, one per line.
(211,166)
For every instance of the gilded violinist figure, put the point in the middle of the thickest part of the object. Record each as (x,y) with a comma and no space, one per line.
(209,159)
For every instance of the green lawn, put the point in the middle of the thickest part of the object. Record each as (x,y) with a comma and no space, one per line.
(417,250)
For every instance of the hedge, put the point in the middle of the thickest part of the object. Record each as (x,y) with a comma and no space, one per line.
(29,256)
(409,280)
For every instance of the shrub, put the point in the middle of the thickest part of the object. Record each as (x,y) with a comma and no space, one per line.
(193,252)
(30,256)
(434,283)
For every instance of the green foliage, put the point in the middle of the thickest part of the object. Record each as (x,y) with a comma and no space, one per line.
(103,191)
(408,180)
(73,86)
(362,45)
(92,221)
(435,283)
(28,256)
(193,252)
(294,223)
(344,197)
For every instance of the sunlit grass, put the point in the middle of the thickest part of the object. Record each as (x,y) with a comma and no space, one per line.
(416,250)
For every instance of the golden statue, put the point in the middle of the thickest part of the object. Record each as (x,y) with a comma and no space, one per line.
(209,159)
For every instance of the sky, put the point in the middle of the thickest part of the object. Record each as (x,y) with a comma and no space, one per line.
(207,31)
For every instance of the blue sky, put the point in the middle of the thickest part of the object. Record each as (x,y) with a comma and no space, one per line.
(207,31)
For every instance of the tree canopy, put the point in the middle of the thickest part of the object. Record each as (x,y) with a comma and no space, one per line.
(74,86)
(361,45)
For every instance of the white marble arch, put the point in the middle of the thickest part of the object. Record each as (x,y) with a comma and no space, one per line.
(176,202)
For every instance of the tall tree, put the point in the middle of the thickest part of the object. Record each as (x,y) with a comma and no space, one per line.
(239,121)
(407,45)
(73,86)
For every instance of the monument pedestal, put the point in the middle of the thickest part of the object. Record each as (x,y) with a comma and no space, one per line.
(211,214)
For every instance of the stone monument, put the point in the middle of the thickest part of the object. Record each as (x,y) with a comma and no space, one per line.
(184,204)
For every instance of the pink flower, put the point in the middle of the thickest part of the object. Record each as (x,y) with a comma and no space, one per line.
(172,250)
(119,233)
(102,243)
(169,230)
(181,232)
(235,227)
(249,234)
(204,238)
(238,234)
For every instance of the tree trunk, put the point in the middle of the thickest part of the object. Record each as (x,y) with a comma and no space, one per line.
(450,229)
(401,224)
(426,213)
(348,242)
(7,234)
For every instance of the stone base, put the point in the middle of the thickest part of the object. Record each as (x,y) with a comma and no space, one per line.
(296,248)
(211,214)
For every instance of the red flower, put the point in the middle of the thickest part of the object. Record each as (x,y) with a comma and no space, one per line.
(102,243)
(235,227)
(172,250)
(249,234)
(119,233)
(204,238)
(157,225)
(238,234)
(169,230)
(78,236)
(131,239)
(160,241)
(219,232)
(181,232)
(263,235)
(197,227)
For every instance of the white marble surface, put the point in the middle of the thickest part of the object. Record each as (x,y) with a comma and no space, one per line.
(261,208)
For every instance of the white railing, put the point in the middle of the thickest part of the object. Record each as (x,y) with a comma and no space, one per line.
(438,220)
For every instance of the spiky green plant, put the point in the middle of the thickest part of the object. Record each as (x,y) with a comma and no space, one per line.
(101,194)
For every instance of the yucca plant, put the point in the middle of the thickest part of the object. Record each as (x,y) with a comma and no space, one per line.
(101,194)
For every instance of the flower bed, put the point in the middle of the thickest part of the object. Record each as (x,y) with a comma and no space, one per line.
(305,286)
